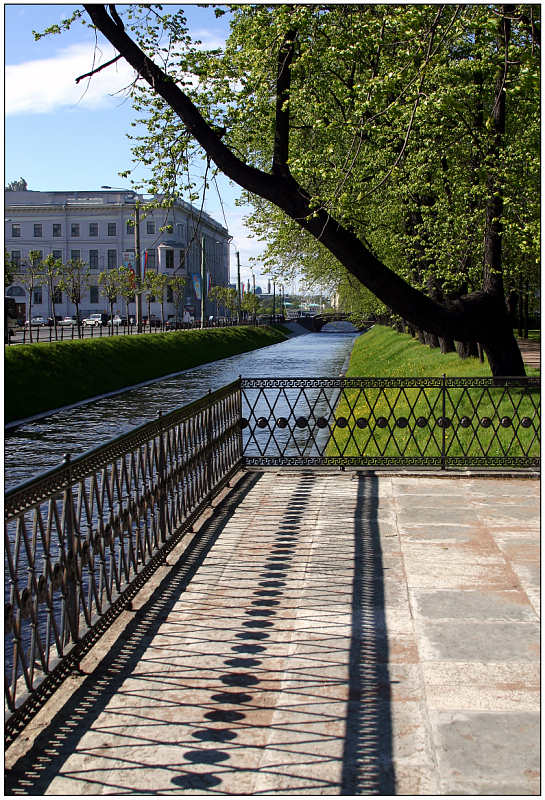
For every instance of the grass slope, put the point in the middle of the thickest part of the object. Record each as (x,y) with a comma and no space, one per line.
(382,352)
(41,377)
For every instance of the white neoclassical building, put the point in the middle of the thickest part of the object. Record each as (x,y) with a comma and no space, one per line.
(98,227)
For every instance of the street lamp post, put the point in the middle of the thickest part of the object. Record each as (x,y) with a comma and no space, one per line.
(203,281)
(238,288)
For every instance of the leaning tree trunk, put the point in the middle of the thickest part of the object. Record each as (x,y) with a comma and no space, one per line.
(468,317)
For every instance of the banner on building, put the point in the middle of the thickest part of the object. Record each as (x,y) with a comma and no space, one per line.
(197,286)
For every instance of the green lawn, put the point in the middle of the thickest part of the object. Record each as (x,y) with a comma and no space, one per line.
(402,421)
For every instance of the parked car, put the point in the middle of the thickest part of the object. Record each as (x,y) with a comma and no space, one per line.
(117,320)
(93,320)
(153,321)
(68,321)
(38,322)
(173,324)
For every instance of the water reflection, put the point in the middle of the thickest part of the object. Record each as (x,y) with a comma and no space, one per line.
(40,445)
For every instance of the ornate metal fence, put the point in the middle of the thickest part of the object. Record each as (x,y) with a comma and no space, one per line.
(82,538)
(435,422)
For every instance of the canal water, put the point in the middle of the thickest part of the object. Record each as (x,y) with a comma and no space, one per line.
(36,446)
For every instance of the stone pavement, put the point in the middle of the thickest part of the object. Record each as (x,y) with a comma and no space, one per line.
(330,633)
(530,352)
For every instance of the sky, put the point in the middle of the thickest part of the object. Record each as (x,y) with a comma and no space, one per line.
(59,135)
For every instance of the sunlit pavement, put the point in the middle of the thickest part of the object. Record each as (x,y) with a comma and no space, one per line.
(331,633)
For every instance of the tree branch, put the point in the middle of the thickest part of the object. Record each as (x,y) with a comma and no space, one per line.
(282,120)
(465,319)
(98,69)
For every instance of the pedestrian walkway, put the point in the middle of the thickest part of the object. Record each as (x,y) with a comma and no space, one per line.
(328,633)
(530,352)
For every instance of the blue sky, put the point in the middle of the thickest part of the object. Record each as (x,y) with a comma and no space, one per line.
(62,136)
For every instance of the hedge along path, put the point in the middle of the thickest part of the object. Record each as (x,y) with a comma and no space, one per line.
(42,377)
(385,353)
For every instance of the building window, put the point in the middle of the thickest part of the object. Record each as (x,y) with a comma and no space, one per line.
(16,258)
(151,262)
(150,226)
(16,231)
(57,254)
(37,230)
(75,255)
(37,295)
(170,295)
(112,259)
(112,229)
(57,230)
(93,229)
(57,296)
(130,227)
(15,291)
(74,229)
(93,259)
(169,259)
(93,294)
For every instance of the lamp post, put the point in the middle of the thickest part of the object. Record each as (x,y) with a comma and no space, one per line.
(203,281)
(137,259)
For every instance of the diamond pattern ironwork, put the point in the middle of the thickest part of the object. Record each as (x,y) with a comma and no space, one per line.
(79,538)
(391,421)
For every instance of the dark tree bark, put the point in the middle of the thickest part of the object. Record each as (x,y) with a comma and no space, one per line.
(466,349)
(479,316)
(446,344)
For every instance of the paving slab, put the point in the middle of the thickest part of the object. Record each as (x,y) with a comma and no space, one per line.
(344,634)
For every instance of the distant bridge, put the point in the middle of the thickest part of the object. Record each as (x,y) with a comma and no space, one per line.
(317,322)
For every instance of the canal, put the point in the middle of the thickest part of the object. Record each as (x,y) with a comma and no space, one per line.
(36,446)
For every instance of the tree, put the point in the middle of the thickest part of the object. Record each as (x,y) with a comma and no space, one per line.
(349,84)
(17,186)
(32,278)
(176,284)
(158,286)
(109,282)
(74,280)
(128,287)
(51,270)
(251,304)
(224,297)
(9,269)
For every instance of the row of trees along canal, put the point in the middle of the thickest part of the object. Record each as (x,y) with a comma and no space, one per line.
(398,159)
(73,277)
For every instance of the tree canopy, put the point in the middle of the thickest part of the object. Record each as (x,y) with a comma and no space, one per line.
(400,142)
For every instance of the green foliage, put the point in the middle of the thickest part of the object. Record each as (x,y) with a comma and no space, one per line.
(75,370)
(17,186)
(390,133)
(225,297)
(382,352)
(392,129)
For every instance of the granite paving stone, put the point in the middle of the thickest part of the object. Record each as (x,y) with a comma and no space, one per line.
(347,633)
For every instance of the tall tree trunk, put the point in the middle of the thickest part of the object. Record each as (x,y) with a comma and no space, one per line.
(447,344)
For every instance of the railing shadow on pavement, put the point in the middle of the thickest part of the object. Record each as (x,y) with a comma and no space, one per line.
(336,687)
(33,772)
(368,754)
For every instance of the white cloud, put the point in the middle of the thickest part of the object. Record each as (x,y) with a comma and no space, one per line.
(46,85)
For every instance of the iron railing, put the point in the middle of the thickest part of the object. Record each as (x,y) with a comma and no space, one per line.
(83,537)
(47,333)
(429,422)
